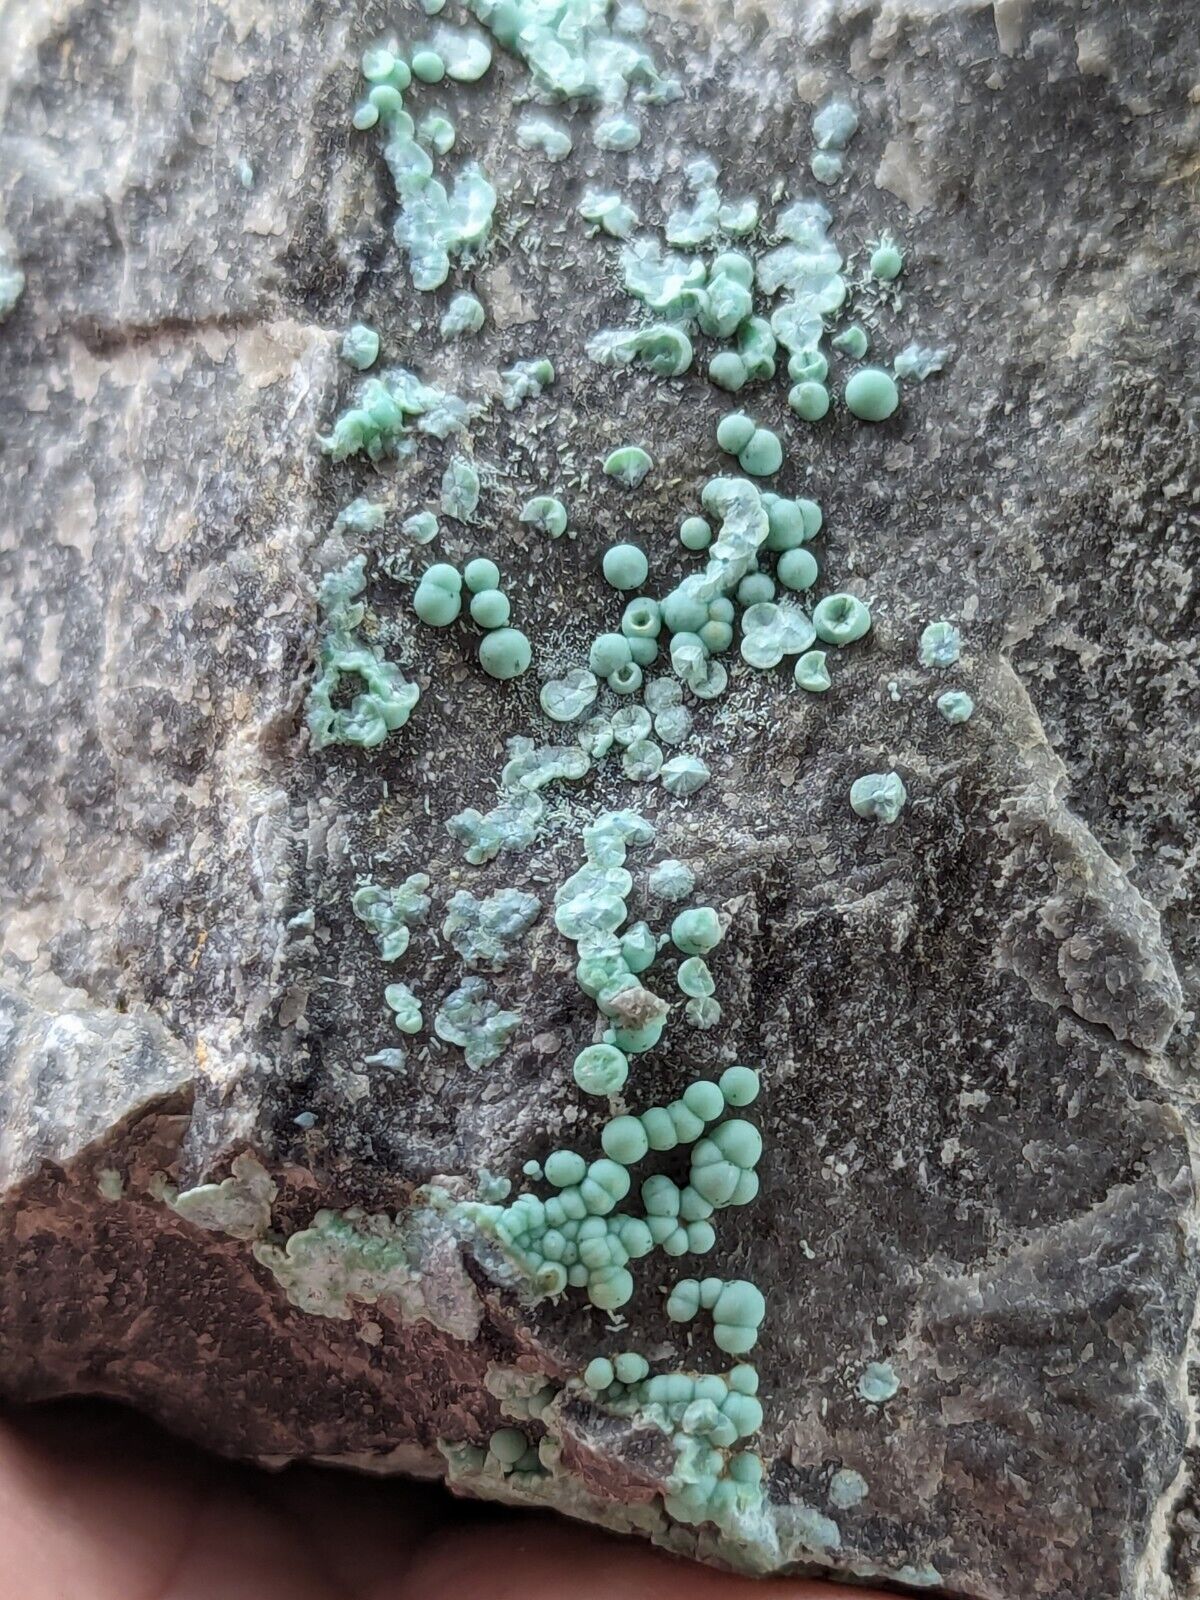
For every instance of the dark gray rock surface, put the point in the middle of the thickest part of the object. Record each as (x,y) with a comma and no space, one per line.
(976,1028)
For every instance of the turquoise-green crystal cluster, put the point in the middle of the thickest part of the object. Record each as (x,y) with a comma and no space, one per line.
(388,408)
(576,1237)
(512,823)
(486,933)
(469,1018)
(575,53)
(391,913)
(708,1416)
(386,699)
(435,225)
(737,1309)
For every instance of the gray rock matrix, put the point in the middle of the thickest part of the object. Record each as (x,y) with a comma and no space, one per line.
(978,1025)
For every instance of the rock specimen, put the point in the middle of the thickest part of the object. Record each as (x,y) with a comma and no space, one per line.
(600,738)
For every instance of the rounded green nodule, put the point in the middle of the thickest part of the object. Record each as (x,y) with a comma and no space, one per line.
(565,1168)
(718,636)
(601,1069)
(955,705)
(841,619)
(735,432)
(378,64)
(386,100)
(505,653)
(630,1367)
(438,598)
(734,265)
(728,371)
(738,1085)
(763,456)
(598,1373)
(695,533)
(634,1040)
(871,395)
(360,346)
(625,566)
(853,340)
(628,465)
(642,619)
(696,931)
(428,66)
(887,262)
(756,588)
(547,512)
(812,673)
(490,608)
(878,796)
(809,400)
(786,522)
(508,1445)
(608,652)
(625,679)
(797,569)
(808,366)
(624,1140)
(481,574)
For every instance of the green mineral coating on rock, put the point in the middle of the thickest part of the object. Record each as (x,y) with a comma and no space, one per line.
(525,380)
(940,645)
(487,934)
(918,361)
(662,348)
(827,166)
(405,1007)
(538,133)
(239,1205)
(470,1018)
(547,513)
(834,125)
(878,796)
(466,54)
(386,699)
(361,516)
(164,1003)
(878,1382)
(360,346)
(341,1260)
(955,705)
(388,409)
(12,279)
(392,913)
(436,225)
(853,340)
(628,465)
(610,213)
(421,527)
(464,315)
(617,132)
(510,826)
(847,1488)
(872,394)
(460,490)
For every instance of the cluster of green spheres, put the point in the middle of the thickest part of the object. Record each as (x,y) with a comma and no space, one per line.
(504,652)
(737,1308)
(576,1238)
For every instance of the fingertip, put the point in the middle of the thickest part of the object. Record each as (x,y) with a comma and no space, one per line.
(534,1558)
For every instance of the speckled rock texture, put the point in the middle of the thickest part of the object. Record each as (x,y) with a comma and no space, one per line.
(976,1027)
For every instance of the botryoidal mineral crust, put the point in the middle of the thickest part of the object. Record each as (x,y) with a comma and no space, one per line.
(245,1192)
